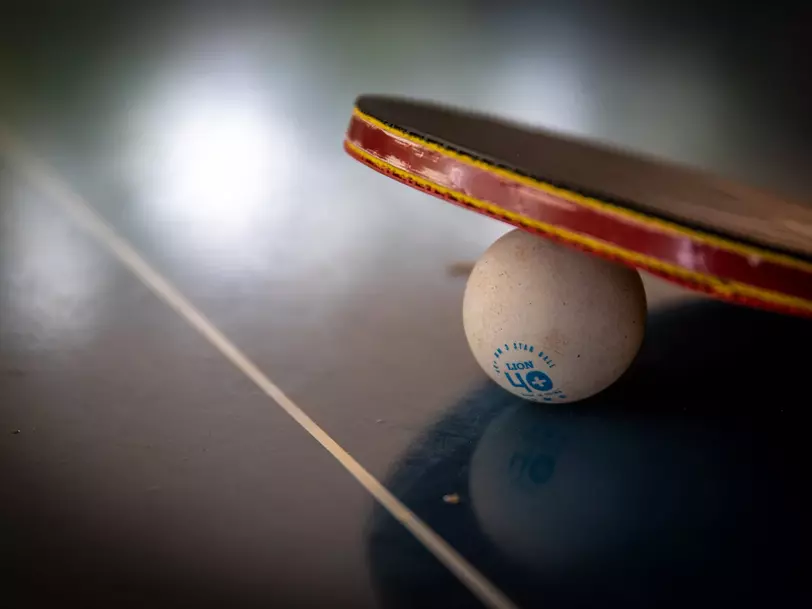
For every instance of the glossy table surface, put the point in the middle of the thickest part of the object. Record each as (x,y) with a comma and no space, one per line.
(139,467)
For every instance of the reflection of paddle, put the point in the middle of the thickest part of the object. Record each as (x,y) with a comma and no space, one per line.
(712,236)
(460,269)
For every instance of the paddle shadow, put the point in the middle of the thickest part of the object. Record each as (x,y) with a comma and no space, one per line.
(680,484)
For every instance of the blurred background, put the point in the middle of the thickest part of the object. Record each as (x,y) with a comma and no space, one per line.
(136,466)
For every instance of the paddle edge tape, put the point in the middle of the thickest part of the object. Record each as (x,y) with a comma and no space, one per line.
(599,205)
(733,291)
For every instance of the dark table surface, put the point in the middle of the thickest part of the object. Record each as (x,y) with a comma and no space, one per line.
(139,467)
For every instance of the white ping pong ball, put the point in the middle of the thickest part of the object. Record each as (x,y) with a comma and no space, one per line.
(549,323)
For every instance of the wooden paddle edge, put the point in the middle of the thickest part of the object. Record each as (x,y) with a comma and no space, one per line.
(730,271)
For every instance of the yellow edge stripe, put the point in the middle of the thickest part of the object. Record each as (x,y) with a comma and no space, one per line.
(720,286)
(602,206)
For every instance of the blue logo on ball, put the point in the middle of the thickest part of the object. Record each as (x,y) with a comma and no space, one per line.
(539,381)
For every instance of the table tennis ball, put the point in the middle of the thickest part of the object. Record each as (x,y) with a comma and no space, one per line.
(549,323)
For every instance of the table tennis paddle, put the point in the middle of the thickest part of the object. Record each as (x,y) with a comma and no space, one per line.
(702,232)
